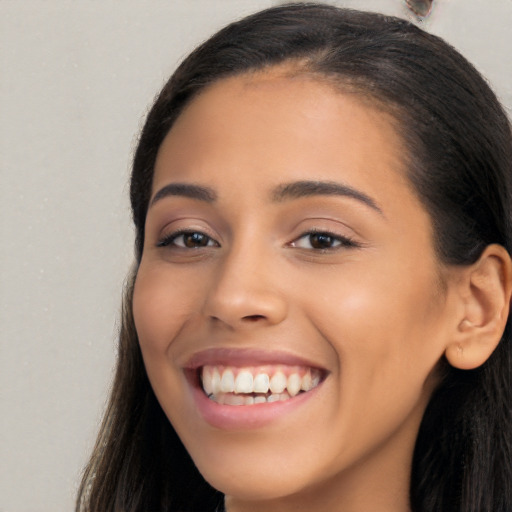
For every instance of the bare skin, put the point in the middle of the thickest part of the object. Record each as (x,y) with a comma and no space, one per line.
(344,277)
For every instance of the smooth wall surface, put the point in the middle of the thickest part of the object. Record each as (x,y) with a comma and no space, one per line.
(76,78)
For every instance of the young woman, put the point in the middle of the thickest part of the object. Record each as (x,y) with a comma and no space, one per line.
(318,316)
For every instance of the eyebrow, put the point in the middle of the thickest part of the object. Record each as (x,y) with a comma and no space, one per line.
(185,190)
(286,191)
(298,189)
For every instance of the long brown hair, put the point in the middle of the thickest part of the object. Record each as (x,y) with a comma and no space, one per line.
(460,163)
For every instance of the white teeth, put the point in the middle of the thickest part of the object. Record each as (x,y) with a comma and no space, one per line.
(234,399)
(307,382)
(211,380)
(250,386)
(207,380)
(294,384)
(231,399)
(261,383)
(278,397)
(215,381)
(227,382)
(278,382)
(244,382)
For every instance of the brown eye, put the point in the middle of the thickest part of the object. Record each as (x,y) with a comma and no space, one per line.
(323,241)
(191,240)
(188,240)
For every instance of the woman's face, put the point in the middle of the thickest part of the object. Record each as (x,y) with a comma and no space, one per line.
(285,248)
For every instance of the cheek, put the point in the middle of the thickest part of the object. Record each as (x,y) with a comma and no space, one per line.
(163,303)
(384,326)
(386,342)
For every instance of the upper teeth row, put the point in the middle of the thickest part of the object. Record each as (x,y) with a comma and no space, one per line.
(219,380)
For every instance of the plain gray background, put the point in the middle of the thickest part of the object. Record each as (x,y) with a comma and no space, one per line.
(76,78)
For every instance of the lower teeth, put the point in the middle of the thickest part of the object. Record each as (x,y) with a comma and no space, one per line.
(241,399)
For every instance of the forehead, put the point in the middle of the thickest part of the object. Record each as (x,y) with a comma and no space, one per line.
(281,120)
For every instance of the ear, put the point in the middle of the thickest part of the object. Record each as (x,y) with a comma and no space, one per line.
(485,290)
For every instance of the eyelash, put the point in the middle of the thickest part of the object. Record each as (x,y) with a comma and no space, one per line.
(338,240)
(170,240)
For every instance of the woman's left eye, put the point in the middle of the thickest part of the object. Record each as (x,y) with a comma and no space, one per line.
(322,241)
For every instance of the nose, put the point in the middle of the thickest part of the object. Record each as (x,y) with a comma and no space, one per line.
(245,292)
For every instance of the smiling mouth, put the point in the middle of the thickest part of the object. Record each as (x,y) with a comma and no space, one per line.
(228,385)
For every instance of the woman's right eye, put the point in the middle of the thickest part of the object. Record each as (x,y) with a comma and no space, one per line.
(187,240)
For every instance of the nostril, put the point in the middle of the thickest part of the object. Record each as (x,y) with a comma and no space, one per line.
(239,308)
(253,318)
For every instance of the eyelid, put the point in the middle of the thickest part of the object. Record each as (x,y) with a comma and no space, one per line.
(345,242)
(168,239)
(330,224)
(181,225)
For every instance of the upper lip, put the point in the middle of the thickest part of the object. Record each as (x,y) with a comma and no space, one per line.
(245,357)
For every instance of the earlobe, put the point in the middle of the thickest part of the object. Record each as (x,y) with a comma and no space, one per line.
(485,290)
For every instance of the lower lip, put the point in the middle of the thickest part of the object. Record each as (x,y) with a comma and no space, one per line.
(246,417)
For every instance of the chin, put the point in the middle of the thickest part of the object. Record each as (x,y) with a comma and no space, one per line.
(252,487)
(258,475)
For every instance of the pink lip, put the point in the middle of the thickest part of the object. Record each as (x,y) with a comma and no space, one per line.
(245,357)
(244,417)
